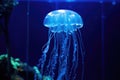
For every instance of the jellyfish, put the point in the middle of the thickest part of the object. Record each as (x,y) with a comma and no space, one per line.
(64,50)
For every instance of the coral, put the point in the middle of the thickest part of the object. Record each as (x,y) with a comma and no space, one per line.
(17,69)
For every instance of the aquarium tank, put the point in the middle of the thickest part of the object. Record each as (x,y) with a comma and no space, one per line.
(59,39)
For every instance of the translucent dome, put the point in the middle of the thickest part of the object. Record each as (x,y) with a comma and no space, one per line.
(63,21)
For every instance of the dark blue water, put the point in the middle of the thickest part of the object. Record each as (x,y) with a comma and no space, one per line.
(100,35)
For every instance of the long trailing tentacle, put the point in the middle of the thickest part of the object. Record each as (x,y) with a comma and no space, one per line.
(82,52)
(44,51)
(68,59)
(75,57)
(63,58)
(53,58)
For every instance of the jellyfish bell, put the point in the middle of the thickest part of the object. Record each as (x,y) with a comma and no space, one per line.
(63,20)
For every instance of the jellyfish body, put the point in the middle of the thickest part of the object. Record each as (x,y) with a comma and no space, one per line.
(64,30)
(63,21)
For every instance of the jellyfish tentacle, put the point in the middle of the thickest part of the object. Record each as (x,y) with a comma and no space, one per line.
(68,48)
(82,53)
(45,48)
(44,51)
(53,58)
(76,51)
(75,56)
(63,58)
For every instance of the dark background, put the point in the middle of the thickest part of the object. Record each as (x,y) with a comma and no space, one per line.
(100,34)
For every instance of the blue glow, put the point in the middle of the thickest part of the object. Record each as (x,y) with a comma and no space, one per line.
(114,3)
(72,0)
(64,29)
(101,1)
